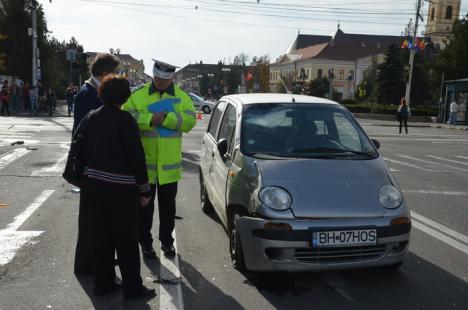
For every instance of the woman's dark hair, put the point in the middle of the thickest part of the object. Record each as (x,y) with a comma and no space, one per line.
(114,90)
(104,63)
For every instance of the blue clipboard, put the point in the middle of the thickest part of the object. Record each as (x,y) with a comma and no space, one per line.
(164,105)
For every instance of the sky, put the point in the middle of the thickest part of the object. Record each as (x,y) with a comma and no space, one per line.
(181,32)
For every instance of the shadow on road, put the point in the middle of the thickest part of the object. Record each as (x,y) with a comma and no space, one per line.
(110,301)
(419,284)
(200,293)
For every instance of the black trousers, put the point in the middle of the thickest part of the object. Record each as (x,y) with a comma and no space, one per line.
(404,120)
(84,246)
(5,107)
(115,226)
(167,209)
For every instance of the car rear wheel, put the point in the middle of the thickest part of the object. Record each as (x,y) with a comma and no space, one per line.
(206,109)
(206,205)
(235,246)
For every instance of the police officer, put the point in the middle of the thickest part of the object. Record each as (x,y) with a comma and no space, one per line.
(163,112)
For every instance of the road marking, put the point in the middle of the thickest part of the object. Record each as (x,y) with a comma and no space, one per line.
(462,157)
(394,170)
(11,156)
(170,295)
(408,164)
(447,240)
(449,160)
(335,281)
(447,193)
(55,170)
(431,162)
(11,240)
(444,229)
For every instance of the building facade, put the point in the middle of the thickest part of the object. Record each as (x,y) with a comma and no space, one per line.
(341,57)
(440,18)
(132,68)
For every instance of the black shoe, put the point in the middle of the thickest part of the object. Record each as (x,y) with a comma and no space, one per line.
(100,291)
(142,292)
(148,252)
(169,250)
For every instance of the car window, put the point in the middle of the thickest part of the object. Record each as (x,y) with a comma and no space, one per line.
(228,125)
(303,130)
(214,122)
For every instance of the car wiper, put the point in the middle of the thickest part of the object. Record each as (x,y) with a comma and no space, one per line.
(266,155)
(331,150)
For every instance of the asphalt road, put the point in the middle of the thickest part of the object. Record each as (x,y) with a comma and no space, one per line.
(38,224)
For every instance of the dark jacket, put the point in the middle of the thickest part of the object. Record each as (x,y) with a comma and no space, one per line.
(86,100)
(113,154)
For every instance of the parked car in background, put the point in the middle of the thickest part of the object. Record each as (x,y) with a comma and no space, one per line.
(300,186)
(201,104)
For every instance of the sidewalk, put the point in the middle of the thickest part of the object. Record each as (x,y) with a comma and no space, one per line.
(369,120)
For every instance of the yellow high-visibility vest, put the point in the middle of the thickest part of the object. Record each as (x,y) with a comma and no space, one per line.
(163,152)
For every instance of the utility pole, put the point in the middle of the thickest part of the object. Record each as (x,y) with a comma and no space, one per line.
(34,42)
(412,53)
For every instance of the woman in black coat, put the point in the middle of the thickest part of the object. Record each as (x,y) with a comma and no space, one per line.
(116,185)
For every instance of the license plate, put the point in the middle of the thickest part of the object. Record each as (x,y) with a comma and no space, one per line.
(344,238)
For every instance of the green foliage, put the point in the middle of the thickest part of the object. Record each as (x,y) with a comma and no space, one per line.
(318,87)
(390,76)
(55,69)
(368,89)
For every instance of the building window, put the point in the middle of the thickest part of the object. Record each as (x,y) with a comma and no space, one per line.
(341,74)
(432,13)
(319,73)
(448,12)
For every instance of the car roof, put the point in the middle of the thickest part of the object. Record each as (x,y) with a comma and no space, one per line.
(259,98)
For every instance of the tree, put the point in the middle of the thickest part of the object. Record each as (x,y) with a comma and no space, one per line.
(318,87)
(367,90)
(204,85)
(390,77)
(453,60)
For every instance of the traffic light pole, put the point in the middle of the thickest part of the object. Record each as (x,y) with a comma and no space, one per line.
(34,45)
(412,53)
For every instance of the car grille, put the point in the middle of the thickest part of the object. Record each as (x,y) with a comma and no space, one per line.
(339,255)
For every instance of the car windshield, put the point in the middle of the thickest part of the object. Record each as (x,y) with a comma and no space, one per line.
(303,130)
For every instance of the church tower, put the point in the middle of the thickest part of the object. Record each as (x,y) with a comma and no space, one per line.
(440,18)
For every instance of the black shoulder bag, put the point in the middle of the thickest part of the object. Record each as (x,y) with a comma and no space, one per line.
(75,165)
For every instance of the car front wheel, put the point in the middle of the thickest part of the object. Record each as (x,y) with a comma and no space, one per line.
(206,205)
(206,109)
(235,246)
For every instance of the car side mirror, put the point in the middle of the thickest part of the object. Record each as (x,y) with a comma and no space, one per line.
(376,143)
(222,147)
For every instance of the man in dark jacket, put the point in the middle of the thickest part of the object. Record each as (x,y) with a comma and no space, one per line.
(87,100)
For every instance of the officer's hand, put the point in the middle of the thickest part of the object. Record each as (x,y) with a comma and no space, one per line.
(158,119)
(144,201)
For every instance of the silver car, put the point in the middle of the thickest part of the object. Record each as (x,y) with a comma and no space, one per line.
(299,186)
(201,104)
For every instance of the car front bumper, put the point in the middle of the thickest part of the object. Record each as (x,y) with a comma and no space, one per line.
(291,250)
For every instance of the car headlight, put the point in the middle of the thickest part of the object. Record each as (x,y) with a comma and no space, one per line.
(390,197)
(275,198)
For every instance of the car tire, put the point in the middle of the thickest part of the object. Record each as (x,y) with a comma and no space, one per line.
(206,109)
(235,245)
(206,205)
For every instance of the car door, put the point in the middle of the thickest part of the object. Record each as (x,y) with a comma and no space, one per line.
(209,147)
(223,163)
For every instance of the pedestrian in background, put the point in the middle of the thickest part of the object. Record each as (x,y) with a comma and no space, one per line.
(13,96)
(26,99)
(70,95)
(454,108)
(403,113)
(87,100)
(5,100)
(33,99)
(116,184)
(161,132)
